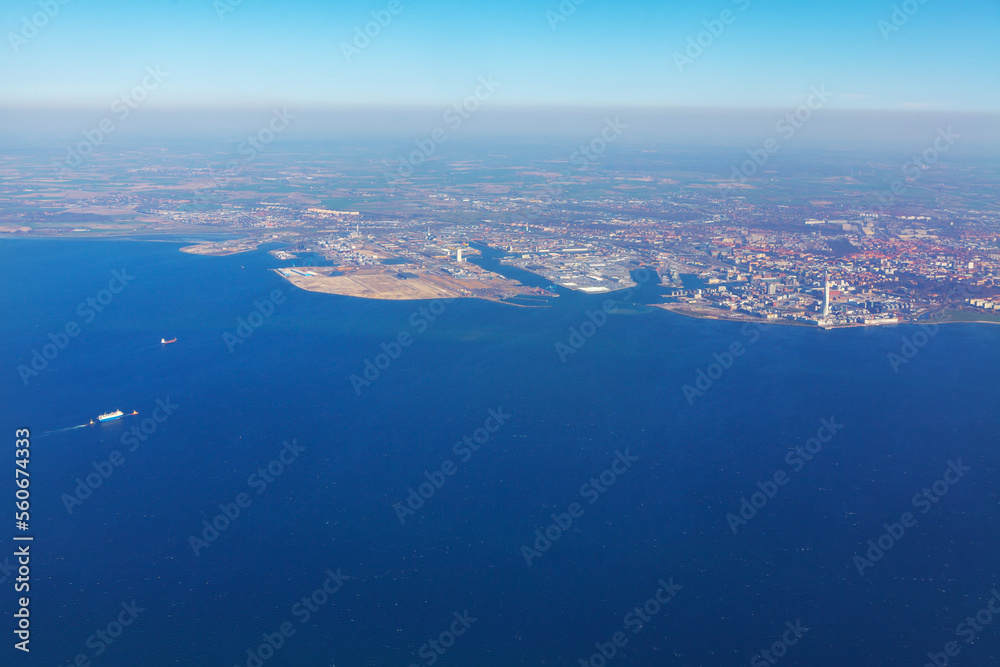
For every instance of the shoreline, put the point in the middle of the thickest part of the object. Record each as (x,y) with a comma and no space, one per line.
(784,322)
(203,249)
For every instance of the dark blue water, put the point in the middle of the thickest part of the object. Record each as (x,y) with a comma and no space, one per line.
(332,506)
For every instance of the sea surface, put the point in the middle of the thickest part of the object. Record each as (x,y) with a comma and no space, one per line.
(619,395)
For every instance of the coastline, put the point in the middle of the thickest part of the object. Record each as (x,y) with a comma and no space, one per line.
(784,322)
(244,245)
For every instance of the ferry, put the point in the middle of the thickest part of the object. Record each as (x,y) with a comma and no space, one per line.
(109,416)
(164,341)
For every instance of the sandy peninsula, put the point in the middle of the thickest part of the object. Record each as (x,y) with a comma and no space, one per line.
(410,284)
(223,248)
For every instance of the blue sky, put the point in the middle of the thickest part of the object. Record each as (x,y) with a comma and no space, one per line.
(946,56)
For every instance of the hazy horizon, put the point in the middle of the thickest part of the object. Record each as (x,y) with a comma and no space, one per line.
(827,129)
(851,76)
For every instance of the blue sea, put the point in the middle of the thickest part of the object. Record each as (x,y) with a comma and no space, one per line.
(391,519)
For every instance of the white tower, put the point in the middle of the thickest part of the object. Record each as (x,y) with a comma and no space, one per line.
(459,258)
(826,293)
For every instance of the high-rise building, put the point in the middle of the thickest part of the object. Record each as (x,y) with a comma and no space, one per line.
(826,293)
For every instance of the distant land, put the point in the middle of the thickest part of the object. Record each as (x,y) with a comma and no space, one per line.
(896,245)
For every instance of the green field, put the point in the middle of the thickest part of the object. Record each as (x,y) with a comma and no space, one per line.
(967,316)
(342,204)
